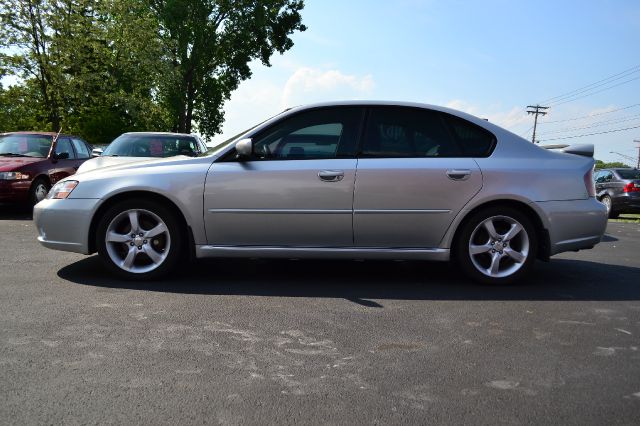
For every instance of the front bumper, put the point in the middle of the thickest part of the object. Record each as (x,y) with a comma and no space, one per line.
(14,190)
(575,224)
(64,224)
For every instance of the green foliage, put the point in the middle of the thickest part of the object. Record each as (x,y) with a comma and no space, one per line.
(98,68)
(614,165)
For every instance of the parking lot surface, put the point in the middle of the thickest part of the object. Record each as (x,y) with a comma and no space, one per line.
(318,342)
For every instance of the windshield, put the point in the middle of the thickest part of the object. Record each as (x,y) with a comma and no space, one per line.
(25,145)
(629,174)
(135,145)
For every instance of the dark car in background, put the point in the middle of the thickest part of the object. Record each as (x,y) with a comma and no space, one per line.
(30,162)
(140,146)
(618,190)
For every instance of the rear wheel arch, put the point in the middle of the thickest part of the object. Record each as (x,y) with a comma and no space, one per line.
(137,195)
(544,242)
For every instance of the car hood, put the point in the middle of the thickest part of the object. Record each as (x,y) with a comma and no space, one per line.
(108,161)
(9,164)
(115,166)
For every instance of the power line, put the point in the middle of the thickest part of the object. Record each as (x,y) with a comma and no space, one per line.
(590,134)
(598,83)
(593,93)
(590,115)
(596,124)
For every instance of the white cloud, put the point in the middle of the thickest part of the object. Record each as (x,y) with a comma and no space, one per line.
(272,90)
(313,85)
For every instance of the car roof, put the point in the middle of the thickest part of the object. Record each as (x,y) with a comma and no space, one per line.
(36,133)
(160,134)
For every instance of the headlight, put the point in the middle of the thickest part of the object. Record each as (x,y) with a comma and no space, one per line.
(62,190)
(13,176)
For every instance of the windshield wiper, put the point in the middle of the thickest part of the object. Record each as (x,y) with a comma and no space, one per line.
(13,154)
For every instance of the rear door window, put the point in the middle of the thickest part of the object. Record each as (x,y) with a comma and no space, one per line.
(402,132)
(81,148)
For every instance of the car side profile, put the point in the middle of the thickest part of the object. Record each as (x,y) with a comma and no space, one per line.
(619,190)
(359,180)
(30,162)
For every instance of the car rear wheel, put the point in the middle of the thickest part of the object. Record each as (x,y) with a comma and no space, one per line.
(39,190)
(139,239)
(497,245)
(606,200)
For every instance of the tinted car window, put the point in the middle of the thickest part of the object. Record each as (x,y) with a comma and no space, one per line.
(81,148)
(407,132)
(315,134)
(629,174)
(25,145)
(474,141)
(64,145)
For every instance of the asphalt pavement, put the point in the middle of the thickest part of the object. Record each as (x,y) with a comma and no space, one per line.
(318,342)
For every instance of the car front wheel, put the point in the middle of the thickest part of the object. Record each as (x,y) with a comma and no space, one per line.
(497,245)
(139,239)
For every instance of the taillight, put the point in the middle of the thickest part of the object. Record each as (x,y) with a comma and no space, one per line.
(631,187)
(589,183)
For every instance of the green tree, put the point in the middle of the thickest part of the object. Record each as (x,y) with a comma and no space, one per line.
(97,63)
(613,165)
(209,44)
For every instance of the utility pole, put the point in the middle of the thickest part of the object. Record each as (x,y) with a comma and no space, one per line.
(638,142)
(536,110)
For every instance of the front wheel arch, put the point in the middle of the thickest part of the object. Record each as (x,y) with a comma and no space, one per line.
(152,196)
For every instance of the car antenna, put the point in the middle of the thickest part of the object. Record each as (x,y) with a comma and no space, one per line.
(55,139)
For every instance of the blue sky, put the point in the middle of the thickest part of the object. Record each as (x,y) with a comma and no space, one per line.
(491,58)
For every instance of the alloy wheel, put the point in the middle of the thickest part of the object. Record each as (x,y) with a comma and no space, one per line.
(137,240)
(499,246)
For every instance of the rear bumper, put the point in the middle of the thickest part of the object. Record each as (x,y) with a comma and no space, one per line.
(626,203)
(64,224)
(574,225)
(16,191)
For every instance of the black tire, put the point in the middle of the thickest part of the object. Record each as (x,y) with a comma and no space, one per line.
(147,212)
(606,200)
(471,228)
(39,189)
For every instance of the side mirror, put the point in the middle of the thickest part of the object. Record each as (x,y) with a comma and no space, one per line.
(244,148)
(61,156)
(96,152)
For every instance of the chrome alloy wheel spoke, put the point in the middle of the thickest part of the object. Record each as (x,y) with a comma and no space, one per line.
(477,249)
(515,230)
(515,255)
(488,225)
(495,264)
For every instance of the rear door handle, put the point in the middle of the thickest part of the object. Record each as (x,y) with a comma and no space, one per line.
(458,174)
(331,175)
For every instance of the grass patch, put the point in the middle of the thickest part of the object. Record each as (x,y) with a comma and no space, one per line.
(627,218)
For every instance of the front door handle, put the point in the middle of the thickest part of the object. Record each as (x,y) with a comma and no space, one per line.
(331,175)
(458,174)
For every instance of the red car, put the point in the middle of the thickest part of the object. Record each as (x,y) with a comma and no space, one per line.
(30,162)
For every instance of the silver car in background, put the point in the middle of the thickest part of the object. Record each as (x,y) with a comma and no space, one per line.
(359,180)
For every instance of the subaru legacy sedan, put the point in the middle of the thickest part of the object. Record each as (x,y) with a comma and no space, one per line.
(358,180)
(30,162)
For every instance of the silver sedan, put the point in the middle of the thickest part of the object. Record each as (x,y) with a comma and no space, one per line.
(358,180)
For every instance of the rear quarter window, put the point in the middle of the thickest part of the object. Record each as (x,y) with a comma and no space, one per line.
(474,141)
